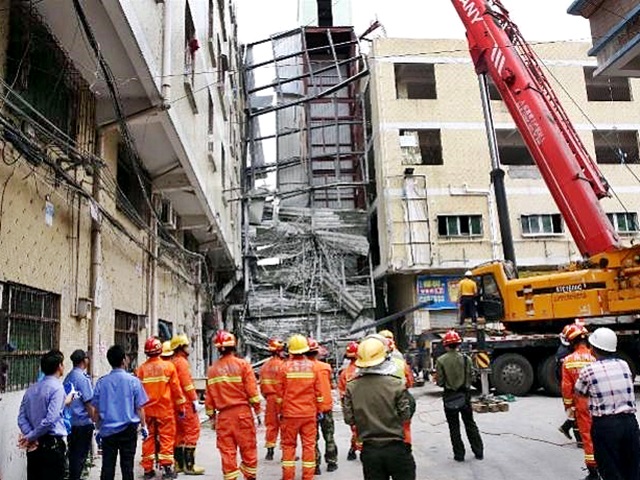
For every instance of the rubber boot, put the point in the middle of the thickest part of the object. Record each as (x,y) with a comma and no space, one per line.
(149,474)
(269,455)
(168,473)
(351,455)
(565,428)
(332,467)
(190,467)
(178,455)
(318,470)
(593,474)
(576,433)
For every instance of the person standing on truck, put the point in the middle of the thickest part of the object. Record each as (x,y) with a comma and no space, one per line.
(467,294)
(453,372)
(187,428)
(269,375)
(608,384)
(577,406)
(377,403)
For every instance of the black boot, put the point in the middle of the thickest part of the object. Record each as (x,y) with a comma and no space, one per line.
(332,467)
(318,471)
(178,455)
(190,467)
(351,455)
(168,473)
(566,427)
(576,433)
(149,474)
(593,474)
(269,455)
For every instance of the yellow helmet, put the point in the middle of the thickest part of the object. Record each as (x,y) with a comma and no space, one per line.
(386,334)
(167,351)
(179,341)
(298,344)
(372,351)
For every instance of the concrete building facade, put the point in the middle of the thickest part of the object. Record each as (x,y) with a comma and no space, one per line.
(614,28)
(435,212)
(120,140)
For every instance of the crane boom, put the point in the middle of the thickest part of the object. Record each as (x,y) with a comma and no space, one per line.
(573,178)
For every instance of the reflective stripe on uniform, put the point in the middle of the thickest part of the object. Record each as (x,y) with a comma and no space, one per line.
(308,464)
(181,401)
(255,399)
(250,470)
(568,401)
(576,364)
(289,463)
(189,387)
(155,379)
(162,456)
(268,381)
(224,378)
(208,412)
(320,399)
(278,400)
(231,475)
(300,375)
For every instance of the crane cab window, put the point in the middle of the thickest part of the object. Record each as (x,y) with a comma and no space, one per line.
(489,286)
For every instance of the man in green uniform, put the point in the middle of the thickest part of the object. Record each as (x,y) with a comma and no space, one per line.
(377,403)
(453,372)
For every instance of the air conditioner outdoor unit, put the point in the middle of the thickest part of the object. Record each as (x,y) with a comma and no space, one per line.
(168,215)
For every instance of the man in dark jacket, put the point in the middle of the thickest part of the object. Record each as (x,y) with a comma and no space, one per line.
(377,403)
(453,372)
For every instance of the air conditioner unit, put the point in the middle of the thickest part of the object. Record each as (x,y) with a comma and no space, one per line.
(168,215)
(211,144)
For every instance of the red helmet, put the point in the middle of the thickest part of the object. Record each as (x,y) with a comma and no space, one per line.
(224,339)
(352,350)
(276,345)
(575,331)
(153,346)
(451,338)
(314,346)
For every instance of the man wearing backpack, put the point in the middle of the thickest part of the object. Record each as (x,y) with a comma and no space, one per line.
(453,372)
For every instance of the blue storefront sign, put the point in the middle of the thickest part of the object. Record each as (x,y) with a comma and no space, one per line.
(442,291)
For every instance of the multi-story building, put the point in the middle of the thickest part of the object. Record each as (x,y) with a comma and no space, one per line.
(614,28)
(435,211)
(120,140)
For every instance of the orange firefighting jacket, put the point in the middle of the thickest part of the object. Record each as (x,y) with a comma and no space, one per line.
(270,375)
(571,366)
(299,392)
(230,383)
(160,381)
(323,370)
(346,374)
(183,368)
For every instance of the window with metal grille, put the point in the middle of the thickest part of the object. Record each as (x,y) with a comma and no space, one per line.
(512,149)
(606,89)
(29,327)
(624,222)
(616,146)
(415,81)
(126,335)
(430,143)
(460,225)
(544,224)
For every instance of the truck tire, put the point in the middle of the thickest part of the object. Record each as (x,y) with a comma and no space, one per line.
(512,373)
(548,377)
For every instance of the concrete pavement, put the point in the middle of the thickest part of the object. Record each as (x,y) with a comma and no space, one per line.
(522,444)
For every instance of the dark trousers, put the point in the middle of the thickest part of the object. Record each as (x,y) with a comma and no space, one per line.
(391,460)
(473,434)
(79,441)
(327,427)
(48,461)
(468,309)
(616,444)
(125,443)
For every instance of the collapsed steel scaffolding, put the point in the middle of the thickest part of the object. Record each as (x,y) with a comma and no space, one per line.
(307,259)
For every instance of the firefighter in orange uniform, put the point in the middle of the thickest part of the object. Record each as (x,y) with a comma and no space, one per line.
(299,398)
(325,420)
(160,381)
(269,376)
(231,399)
(577,406)
(188,428)
(346,374)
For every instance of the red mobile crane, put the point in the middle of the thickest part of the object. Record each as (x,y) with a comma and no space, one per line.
(605,288)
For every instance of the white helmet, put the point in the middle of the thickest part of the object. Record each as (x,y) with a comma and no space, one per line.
(604,339)
(468,273)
